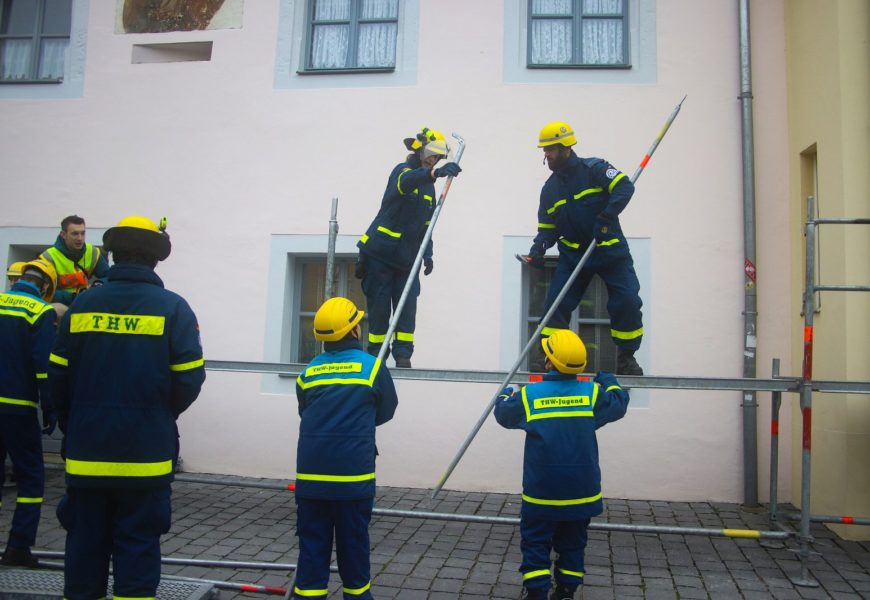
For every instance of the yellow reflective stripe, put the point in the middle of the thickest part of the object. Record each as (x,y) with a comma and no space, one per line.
(118,469)
(364,238)
(335,478)
(554,415)
(574,573)
(626,335)
(318,382)
(538,573)
(17,402)
(742,533)
(613,387)
(560,401)
(608,242)
(188,365)
(427,197)
(357,591)
(42,375)
(114,323)
(548,331)
(569,502)
(613,183)
(403,336)
(546,226)
(569,244)
(427,222)
(353,367)
(309,593)
(389,232)
(558,203)
(374,338)
(25,500)
(30,316)
(60,360)
(587,192)
(399,181)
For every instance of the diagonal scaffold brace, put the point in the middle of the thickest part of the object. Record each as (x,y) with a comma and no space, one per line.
(545,319)
(415,268)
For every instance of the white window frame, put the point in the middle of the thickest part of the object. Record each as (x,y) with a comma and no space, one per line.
(72,83)
(641,41)
(292,53)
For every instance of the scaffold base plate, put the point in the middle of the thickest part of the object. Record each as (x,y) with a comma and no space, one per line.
(34,584)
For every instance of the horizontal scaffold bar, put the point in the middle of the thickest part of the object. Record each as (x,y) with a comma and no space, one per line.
(781,384)
(842,288)
(860,221)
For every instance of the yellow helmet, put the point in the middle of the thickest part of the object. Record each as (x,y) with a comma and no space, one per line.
(139,234)
(335,318)
(46,272)
(566,351)
(432,143)
(16,269)
(557,132)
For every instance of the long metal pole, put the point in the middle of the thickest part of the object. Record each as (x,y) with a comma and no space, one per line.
(328,288)
(750,302)
(418,260)
(545,319)
(806,398)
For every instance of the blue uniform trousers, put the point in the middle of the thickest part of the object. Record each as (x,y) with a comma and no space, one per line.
(21,436)
(616,268)
(383,287)
(567,538)
(317,522)
(121,524)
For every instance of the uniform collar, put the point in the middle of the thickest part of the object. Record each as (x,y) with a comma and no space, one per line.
(345,344)
(134,272)
(555,375)
(25,287)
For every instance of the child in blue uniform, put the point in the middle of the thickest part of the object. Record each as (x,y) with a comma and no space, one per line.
(561,475)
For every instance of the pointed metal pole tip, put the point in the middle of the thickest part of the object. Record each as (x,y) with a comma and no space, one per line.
(458,137)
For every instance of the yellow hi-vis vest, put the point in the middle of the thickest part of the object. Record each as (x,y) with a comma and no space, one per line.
(73,276)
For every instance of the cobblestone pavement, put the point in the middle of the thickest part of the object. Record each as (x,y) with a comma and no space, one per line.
(439,560)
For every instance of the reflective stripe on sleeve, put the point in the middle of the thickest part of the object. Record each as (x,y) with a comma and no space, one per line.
(117,469)
(613,183)
(389,232)
(58,360)
(594,190)
(25,500)
(546,226)
(42,375)
(556,205)
(188,365)
(17,402)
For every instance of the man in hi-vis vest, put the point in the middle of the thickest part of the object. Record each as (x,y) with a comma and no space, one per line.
(127,362)
(77,263)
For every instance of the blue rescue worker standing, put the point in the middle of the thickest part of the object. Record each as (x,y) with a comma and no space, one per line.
(26,334)
(388,248)
(343,394)
(561,475)
(580,205)
(75,260)
(127,362)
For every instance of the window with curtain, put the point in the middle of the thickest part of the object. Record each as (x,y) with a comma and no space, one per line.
(352,35)
(578,34)
(310,288)
(589,320)
(34,37)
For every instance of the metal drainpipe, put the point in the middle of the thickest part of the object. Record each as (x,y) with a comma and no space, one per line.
(750,424)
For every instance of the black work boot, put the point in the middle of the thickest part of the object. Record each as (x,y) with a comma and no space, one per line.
(403,362)
(562,593)
(18,557)
(626,364)
(533,594)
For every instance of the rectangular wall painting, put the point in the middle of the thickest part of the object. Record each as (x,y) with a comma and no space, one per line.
(160,16)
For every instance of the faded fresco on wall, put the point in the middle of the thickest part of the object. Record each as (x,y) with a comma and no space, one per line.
(160,16)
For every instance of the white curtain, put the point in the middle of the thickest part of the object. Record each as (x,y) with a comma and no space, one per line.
(379,9)
(602,7)
(377,45)
(329,50)
(602,41)
(332,10)
(15,59)
(51,61)
(551,41)
(551,7)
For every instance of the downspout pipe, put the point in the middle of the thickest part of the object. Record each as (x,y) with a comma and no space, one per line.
(750,314)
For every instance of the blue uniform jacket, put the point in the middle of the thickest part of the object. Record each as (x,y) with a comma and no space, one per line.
(561,476)
(27,333)
(127,362)
(343,394)
(395,235)
(574,196)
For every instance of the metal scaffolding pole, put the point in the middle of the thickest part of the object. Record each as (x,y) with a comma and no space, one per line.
(328,288)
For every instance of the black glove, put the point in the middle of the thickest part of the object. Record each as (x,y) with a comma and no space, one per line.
(536,256)
(428,265)
(49,422)
(451,169)
(506,394)
(602,228)
(359,271)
